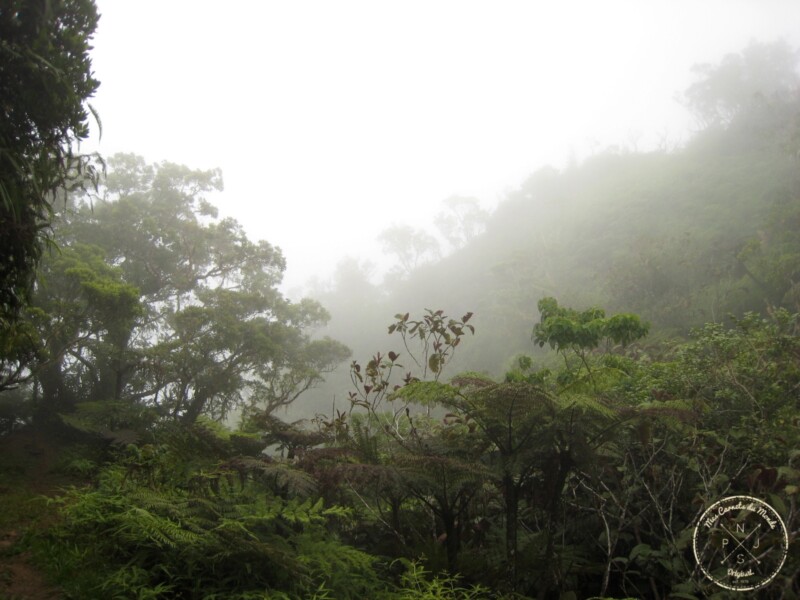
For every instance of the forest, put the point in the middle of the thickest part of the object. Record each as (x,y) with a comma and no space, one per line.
(545,410)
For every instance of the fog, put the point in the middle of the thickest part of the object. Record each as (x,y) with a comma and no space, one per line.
(498,300)
(334,121)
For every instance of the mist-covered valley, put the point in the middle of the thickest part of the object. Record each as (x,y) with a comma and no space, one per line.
(587,389)
(681,237)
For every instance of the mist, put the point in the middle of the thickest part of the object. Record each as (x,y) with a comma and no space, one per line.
(393,301)
(331,123)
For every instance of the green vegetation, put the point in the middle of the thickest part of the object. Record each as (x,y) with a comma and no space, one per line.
(45,82)
(491,455)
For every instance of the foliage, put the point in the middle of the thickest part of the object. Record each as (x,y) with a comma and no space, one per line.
(581,479)
(412,247)
(15,411)
(522,486)
(416,585)
(85,312)
(436,336)
(45,81)
(462,220)
(771,260)
(154,301)
(149,528)
(743,82)
(569,331)
(711,422)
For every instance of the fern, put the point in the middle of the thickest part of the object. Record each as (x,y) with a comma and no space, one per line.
(133,582)
(417,584)
(138,526)
(338,567)
(148,537)
(116,421)
(289,480)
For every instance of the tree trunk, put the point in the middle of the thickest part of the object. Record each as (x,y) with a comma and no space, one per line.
(452,541)
(511,496)
(562,469)
(56,395)
(195,409)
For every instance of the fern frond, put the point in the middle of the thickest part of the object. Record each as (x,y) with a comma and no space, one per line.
(586,405)
(140,526)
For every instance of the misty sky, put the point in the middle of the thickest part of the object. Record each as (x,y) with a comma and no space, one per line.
(333,119)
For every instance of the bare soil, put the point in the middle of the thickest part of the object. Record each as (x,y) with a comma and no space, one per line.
(27,458)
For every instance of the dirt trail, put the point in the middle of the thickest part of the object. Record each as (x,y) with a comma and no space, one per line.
(26,461)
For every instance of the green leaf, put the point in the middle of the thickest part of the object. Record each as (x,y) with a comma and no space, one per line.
(777,503)
(643,550)
(434,363)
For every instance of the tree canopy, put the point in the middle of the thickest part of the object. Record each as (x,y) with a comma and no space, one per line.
(755,78)
(153,299)
(45,82)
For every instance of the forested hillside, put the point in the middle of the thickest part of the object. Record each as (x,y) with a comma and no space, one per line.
(680,236)
(545,412)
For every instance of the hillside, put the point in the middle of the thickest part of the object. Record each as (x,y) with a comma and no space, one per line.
(681,238)
(658,234)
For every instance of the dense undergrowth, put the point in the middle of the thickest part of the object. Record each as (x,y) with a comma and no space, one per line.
(609,461)
(152,525)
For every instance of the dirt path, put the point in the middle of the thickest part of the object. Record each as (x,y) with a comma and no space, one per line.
(20,579)
(26,462)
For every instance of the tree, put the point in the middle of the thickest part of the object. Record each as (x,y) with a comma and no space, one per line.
(517,420)
(163,304)
(85,314)
(760,74)
(441,468)
(771,259)
(404,455)
(45,81)
(569,331)
(352,277)
(412,247)
(462,220)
